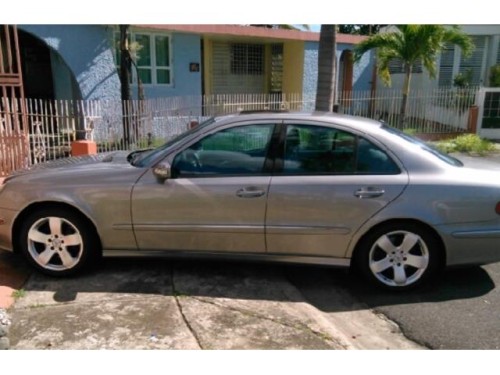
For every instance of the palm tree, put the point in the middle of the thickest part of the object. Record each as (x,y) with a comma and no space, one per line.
(125,66)
(327,68)
(410,44)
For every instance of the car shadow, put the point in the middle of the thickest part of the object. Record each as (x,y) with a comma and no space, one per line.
(329,290)
(454,284)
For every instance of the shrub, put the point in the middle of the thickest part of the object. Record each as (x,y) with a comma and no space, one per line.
(410,131)
(473,143)
(467,143)
(463,79)
(495,76)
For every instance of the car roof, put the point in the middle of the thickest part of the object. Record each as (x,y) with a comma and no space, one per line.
(355,122)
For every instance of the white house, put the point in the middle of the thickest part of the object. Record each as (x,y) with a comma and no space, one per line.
(433,105)
(451,62)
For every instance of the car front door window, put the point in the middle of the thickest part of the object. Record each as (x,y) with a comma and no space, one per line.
(237,151)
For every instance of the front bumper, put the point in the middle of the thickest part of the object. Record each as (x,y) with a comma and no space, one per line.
(7,218)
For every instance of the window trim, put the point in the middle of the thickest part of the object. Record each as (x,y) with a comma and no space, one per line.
(152,48)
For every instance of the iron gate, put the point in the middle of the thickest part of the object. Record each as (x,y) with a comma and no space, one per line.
(14,145)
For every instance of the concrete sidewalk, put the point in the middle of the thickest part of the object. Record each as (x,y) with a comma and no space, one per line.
(13,274)
(160,304)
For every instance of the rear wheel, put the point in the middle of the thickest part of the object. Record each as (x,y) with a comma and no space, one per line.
(58,242)
(399,256)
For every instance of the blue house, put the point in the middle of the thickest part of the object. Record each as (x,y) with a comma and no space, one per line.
(80,61)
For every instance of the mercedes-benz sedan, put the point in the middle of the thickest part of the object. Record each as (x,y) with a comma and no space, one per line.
(305,188)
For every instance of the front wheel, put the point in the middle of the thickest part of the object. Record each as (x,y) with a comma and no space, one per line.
(57,242)
(399,256)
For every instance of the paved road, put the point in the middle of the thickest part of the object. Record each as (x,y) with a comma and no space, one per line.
(461,311)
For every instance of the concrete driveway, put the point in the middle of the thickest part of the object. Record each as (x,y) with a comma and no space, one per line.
(164,304)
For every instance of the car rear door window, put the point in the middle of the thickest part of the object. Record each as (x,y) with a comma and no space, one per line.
(235,151)
(318,150)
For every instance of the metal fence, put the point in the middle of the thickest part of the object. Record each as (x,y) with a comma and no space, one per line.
(113,125)
(444,110)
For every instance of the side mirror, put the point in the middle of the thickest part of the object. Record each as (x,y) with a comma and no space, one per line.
(162,171)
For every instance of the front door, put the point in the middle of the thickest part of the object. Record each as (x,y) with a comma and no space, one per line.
(216,200)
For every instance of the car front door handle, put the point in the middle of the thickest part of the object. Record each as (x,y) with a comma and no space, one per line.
(369,192)
(250,192)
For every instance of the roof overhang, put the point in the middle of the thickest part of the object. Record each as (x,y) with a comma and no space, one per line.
(242,31)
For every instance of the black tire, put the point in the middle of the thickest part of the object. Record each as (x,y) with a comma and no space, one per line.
(58,241)
(399,256)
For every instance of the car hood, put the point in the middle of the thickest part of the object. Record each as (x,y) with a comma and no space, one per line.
(115,157)
(75,169)
(77,161)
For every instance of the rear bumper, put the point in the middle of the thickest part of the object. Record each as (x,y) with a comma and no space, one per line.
(467,245)
(6,222)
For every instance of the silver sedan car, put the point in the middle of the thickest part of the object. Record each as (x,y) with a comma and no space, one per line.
(312,188)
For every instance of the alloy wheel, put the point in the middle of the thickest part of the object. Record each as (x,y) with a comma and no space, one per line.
(399,258)
(55,243)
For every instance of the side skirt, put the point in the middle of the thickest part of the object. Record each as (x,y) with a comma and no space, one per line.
(278,258)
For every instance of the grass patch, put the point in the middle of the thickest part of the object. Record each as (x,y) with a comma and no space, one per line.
(410,131)
(16,294)
(466,143)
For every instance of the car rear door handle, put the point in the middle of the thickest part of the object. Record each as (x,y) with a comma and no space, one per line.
(369,192)
(250,192)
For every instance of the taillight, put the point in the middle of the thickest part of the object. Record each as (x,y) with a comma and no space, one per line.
(497,208)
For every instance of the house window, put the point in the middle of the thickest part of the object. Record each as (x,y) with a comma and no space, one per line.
(452,62)
(152,56)
(247,59)
(446,66)
(397,66)
(498,53)
(474,63)
(276,68)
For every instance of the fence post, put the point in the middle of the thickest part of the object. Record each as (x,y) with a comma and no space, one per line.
(472,120)
(83,147)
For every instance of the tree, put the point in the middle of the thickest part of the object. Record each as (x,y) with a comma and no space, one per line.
(327,69)
(128,55)
(125,70)
(410,44)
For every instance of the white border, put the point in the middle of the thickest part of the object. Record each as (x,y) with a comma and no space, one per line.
(256,11)
(248,362)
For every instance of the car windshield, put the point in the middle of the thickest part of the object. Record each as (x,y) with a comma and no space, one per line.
(444,157)
(144,158)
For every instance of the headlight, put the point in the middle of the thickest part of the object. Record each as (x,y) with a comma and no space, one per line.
(4,180)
